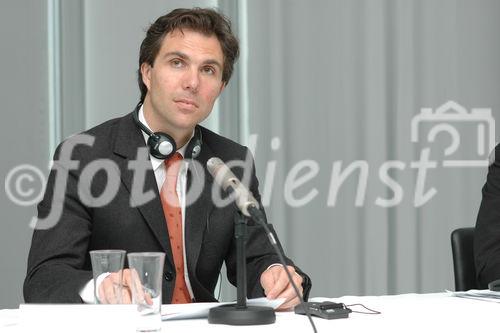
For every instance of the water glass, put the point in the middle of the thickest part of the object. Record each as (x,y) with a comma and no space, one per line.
(108,261)
(146,270)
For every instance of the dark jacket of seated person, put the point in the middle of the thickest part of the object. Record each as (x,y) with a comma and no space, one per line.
(487,232)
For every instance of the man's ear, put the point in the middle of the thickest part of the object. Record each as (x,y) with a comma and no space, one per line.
(222,87)
(146,74)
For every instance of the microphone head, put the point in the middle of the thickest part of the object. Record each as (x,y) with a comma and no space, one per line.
(213,165)
(229,182)
(221,173)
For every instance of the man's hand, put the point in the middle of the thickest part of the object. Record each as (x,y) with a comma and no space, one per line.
(109,291)
(275,282)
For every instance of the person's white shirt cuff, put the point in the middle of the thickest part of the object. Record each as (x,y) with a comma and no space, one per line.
(87,292)
(278,264)
(272,265)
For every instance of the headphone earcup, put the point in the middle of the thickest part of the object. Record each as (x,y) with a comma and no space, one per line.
(161,145)
(193,149)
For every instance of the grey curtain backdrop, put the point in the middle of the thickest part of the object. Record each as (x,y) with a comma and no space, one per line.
(24,135)
(339,82)
(322,87)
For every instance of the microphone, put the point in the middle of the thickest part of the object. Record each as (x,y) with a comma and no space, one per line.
(226,179)
(249,207)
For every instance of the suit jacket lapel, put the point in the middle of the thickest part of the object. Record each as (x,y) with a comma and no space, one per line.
(128,140)
(198,211)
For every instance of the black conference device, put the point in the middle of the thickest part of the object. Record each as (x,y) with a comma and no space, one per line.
(325,310)
(494,285)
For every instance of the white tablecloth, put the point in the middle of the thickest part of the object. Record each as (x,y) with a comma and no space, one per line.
(401,313)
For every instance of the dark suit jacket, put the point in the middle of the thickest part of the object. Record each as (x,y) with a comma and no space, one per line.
(487,232)
(59,263)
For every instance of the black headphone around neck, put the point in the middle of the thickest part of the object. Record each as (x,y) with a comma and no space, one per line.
(162,146)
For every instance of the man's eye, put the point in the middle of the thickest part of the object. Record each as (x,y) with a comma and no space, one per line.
(176,63)
(209,70)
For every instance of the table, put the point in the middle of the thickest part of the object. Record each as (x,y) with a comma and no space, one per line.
(400,313)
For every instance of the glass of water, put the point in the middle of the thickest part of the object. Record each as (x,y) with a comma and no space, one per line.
(146,270)
(108,262)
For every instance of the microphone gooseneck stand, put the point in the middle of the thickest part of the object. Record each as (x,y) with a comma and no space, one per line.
(259,217)
(240,313)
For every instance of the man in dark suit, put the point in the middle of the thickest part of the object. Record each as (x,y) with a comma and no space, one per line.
(487,231)
(185,62)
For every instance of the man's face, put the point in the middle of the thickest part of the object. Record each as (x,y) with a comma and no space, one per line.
(184,81)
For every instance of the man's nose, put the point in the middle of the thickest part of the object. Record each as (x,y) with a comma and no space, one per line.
(191,80)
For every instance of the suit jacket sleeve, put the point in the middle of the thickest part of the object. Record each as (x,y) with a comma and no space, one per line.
(259,251)
(487,232)
(57,255)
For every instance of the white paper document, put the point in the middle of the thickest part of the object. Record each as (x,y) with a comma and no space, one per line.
(481,295)
(200,310)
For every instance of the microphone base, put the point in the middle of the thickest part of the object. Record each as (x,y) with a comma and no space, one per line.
(230,314)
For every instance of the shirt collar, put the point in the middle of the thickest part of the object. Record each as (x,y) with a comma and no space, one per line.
(156,162)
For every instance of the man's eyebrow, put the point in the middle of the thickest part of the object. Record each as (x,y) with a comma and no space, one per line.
(176,54)
(182,55)
(213,62)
